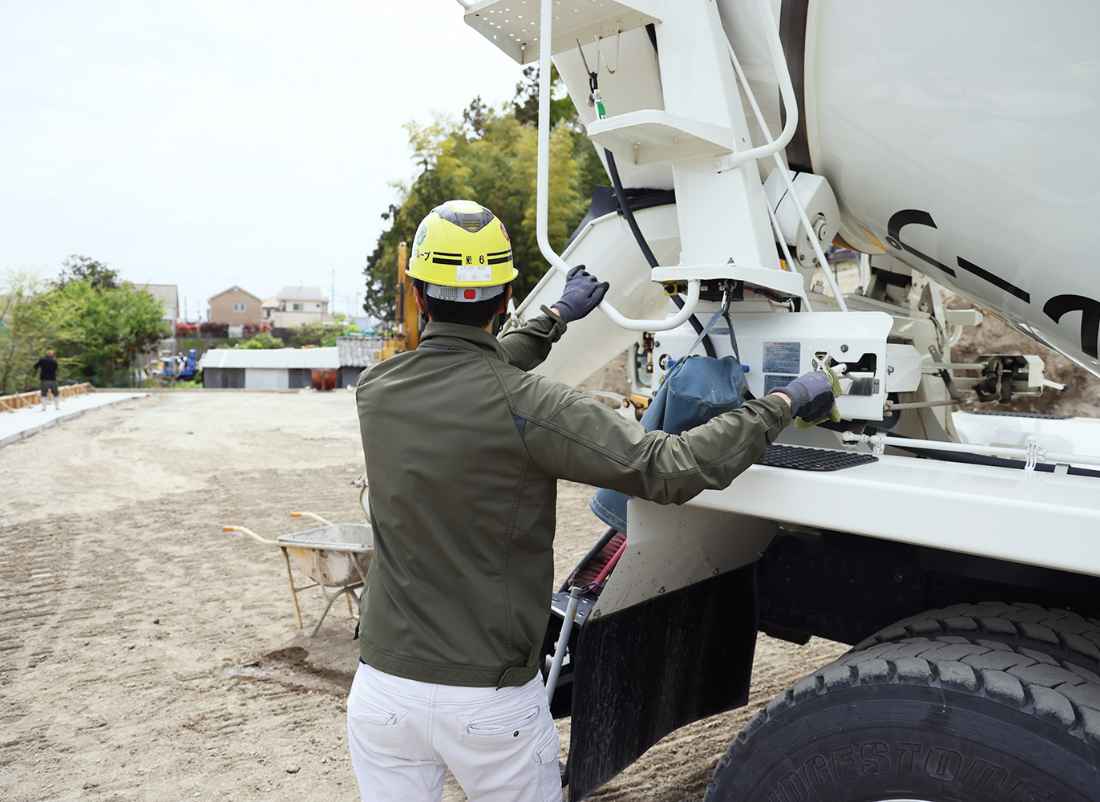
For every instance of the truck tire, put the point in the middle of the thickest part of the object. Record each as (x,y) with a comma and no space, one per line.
(1062,634)
(928,719)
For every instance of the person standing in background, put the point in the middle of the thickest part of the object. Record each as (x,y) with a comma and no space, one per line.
(47,374)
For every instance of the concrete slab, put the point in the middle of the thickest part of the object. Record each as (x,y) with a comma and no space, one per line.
(23,423)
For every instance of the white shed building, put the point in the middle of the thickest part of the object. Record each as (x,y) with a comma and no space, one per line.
(265,369)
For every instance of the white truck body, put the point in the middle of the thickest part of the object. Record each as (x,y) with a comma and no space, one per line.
(954,146)
(949,149)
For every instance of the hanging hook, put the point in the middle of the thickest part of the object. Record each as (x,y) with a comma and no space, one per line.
(594,98)
(618,52)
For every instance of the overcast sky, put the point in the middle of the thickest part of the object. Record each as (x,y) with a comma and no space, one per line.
(207,143)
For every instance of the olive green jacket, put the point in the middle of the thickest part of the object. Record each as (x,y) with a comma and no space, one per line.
(464,449)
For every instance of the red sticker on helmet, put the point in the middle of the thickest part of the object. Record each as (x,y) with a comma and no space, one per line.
(470,295)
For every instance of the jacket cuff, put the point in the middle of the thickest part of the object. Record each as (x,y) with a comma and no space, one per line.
(782,414)
(547,326)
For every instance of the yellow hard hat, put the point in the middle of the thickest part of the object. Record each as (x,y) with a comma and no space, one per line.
(461,244)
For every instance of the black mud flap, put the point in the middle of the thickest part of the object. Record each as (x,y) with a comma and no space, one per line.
(648,670)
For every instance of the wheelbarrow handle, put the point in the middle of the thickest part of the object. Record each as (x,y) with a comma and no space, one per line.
(312,515)
(242,530)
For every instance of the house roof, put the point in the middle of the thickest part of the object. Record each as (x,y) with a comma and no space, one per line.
(359,352)
(275,358)
(234,288)
(300,294)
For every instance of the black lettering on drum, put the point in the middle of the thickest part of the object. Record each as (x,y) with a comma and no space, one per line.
(914,217)
(1061,305)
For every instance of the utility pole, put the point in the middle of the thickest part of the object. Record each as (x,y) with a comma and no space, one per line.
(332,299)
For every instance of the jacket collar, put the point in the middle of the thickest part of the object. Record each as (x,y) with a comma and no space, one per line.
(463,338)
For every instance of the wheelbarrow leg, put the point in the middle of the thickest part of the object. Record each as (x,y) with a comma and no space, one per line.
(331,601)
(293,590)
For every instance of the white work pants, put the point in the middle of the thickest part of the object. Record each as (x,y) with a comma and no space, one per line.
(501,745)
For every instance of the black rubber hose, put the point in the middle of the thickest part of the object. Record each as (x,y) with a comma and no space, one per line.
(647,252)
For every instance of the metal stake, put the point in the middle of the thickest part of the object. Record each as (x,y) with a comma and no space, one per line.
(563,642)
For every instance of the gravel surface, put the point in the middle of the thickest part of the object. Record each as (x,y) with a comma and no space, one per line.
(146,655)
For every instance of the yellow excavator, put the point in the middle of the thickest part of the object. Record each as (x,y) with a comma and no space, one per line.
(406,315)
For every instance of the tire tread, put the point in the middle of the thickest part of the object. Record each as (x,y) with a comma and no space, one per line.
(1065,630)
(1033,683)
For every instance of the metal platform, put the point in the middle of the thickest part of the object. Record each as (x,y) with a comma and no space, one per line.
(513,25)
(652,136)
(798,458)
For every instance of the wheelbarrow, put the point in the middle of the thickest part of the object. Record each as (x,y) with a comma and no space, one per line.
(335,556)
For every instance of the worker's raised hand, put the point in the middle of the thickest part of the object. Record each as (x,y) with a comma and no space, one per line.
(583,293)
(813,396)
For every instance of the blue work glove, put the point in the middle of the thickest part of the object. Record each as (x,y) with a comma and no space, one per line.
(812,396)
(583,293)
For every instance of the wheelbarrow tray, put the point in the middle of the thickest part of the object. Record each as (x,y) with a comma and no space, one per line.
(332,556)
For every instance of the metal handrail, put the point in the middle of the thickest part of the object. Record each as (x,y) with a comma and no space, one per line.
(1033,453)
(542,201)
(784,77)
(786,92)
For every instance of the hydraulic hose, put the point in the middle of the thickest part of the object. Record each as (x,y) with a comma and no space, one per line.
(647,252)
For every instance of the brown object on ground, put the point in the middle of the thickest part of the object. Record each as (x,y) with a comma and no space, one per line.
(324,380)
(144,654)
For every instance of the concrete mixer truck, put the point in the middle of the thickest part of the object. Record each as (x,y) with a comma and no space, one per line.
(954,146)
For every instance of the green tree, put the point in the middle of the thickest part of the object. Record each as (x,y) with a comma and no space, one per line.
(19,348)
(83,268)
(263,340)
(489,156)
(99,327)
(525,103)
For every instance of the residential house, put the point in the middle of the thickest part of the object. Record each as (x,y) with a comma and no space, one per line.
(169,297)
(235,306)
(293,307)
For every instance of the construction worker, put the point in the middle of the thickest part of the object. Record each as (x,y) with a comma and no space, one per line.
(463,450)
(47,374)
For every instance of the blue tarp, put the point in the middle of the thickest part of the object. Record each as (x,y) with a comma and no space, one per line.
(695,389)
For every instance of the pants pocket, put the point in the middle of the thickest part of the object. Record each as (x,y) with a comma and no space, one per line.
(374,715)
(380,730)
(504,727)
(546,757)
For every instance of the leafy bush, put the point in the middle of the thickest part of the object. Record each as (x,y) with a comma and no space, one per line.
(262,340)
(212,329)
(322,334)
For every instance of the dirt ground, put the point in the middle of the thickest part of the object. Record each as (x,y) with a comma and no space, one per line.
(146,655)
